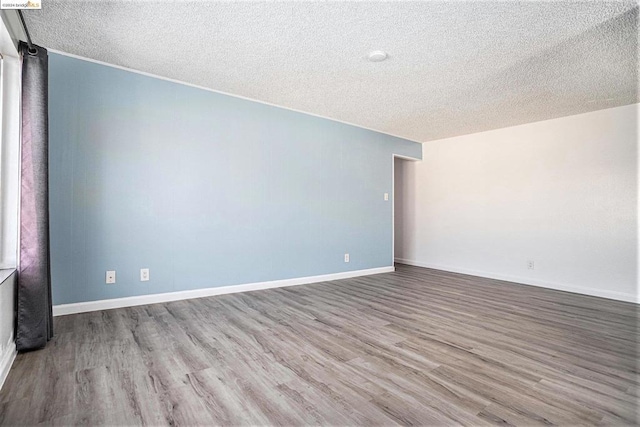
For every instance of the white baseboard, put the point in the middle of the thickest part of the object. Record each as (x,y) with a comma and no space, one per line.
(6,361)
(83,307)
(619,296)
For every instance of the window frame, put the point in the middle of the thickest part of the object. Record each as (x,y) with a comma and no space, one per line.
(9,148)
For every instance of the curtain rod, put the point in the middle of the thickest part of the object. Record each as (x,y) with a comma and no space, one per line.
(32,50)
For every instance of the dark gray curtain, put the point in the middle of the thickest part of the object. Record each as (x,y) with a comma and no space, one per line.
(34,315)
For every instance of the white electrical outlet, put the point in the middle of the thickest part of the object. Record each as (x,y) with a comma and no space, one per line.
(531,265)
(144,274)
(111,277)
(386,197)
(346,257)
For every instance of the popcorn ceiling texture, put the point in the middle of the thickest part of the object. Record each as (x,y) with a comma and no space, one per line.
(454,68)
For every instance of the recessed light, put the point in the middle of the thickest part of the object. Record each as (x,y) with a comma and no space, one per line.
(377,56)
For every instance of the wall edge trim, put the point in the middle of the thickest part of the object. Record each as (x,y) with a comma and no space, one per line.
(618,296)
(107,304)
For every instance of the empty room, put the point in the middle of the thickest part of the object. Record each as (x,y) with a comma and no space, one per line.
(319,213)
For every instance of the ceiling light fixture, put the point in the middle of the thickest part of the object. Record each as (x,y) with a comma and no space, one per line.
(377,56)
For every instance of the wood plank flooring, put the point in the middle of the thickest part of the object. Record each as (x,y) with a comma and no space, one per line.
(414,347)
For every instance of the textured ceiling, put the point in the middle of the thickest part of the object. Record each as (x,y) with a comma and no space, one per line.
(454,67)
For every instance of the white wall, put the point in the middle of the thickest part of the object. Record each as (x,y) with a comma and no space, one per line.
(562,193)
(9,156)
(9,183)
(7,342)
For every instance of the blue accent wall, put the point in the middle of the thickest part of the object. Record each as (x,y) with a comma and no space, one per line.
(204,189)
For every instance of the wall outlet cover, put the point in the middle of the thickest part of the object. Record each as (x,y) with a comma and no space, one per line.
(110,277)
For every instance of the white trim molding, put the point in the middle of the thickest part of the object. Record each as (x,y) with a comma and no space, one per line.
(83,307)
(6,361)
(619,296)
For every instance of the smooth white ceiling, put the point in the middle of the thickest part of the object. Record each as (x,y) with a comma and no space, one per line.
(454,67)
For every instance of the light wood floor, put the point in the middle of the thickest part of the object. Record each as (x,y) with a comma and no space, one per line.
(415,347)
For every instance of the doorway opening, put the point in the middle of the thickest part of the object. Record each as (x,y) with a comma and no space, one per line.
(402,212)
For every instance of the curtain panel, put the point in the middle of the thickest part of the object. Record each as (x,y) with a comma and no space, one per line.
(34,321)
